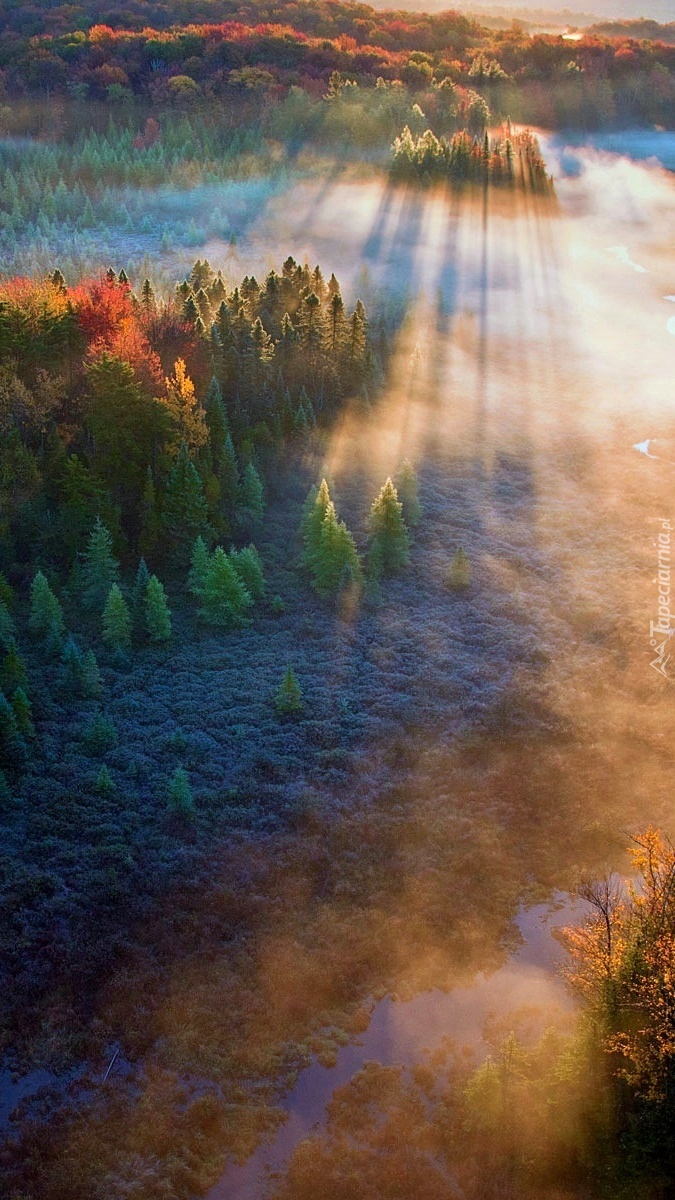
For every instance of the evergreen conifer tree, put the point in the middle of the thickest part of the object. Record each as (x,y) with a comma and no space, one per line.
(288,700)
(249,568)
(23,711)
(46,616)
(7,629)
(314,511)
(157,613)
(105,785)
(12,745)
(140,587)
(91,676)
(251,500)
(151,523)
(336,559)
(116,621)
(13,672)
(225,600)
(407,488)
(388,536)
(199,567)
(100,568)
(185,508)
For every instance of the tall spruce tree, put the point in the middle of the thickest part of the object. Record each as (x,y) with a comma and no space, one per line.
(157,612)
(116,621)
(100,569)
(225,600)
(251,502)
(185,507)
(249,568)
(388,537)
(336,559)
(199,567)
(314,511)
(46,615)
(407,487)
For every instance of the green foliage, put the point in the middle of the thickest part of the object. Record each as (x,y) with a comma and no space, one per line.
(199,567)
(23,711)
(7,628)
(90,675)
(105,785)
(46,615)
(225,599)
(157,613)
(251,504)
(288,700)
(140,587)
(278,605)
(407,488)
(388,537)
(116,621)
(458,575)
(249,568)
(512,159)
(13,670)
(100,568)
(180,798)
(314,511)
(185,507)
(335,563)
(99,735)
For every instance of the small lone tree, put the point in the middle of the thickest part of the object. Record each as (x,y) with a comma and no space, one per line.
(388,536)
(46,615)
(180,801)
(288,700)
(407,487)
(105,785)
(225,600)
(100,568)
(157,612)
(459,572)
(116,621)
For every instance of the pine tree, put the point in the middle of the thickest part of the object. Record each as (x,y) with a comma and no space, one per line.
(185,508)
(314,511)
(288,700)
(91,676)
(13,672)
(180,799)
(99,735)
(100,568)
(251,504)
(249,568)
(216,423)
(199,567)
(336,561)
(388,536)
(228,477)
(23,711)
(116,621)
(151,522)
(157,613)
(225,600)
(140,587)
(46,615)
(407,487)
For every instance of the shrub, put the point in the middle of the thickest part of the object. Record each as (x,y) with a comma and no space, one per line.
(458,576)
(181,802)
(99,735)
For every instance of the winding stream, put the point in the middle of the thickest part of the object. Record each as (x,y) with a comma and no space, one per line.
(400,1032)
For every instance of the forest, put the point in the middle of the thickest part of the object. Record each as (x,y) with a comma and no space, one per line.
(329,340)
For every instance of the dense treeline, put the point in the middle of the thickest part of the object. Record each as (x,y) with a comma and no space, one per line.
(102,391)
(508,160)
(265,52)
